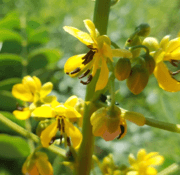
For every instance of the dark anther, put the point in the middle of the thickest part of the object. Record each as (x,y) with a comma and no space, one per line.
(84,74)
(61,139)
(69,155)
(88,80)
(174,62)
(19,108)
(129,40)
(67,73)
(59,124)
(175,73)
(52,140)
(68,141)
(103,98)
(75,70)
(63,125)
(88,57)
(122,131)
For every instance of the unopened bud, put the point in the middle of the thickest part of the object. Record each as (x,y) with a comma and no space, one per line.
(122,69)
(144,29)
(151,43)
(150,63)
(138,79)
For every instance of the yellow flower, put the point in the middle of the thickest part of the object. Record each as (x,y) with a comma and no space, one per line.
(144,163)
(100,52)
(62,113)
(32,92)
(37,164)
(169,51)
(108,124)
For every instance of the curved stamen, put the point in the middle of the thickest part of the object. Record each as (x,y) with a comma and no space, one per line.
(175,73)
(174,62)
(68,141)
(88,80)
(59,124)
(122,131)
(75,70)
(88,57)
(85,74)
(63,125)
(52,140)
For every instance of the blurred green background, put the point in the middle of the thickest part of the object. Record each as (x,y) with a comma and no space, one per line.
(33,42)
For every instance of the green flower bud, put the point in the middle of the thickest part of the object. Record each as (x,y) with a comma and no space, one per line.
(151,43)
(134,41)
(122,69)
(138,79)
(144,29)
(139,61)
(150,63)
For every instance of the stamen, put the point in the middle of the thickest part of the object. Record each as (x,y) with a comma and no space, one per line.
(67,73)
(175,73)
(174,63)
(88,80)
(61,139)
(59,124)
(68,141)
(19,108)
(63,125)
(88,57)
(84,75)
(52,140)
(75,70)
(122,131)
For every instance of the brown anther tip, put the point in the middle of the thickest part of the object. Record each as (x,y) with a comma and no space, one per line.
(129,40)
(174,63)
(88,80)
(85,74)
(52,140)
(68,141)
(75,70)
(67,73)
(122,131)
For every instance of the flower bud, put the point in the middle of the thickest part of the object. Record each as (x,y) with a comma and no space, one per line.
(144,29)
(151,43)
(150,63)
(134,41)
(122,69)
(138,79)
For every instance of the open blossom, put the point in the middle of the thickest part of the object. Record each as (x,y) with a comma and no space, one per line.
(98,56)
(169,50)
(62,113)
(37,164)
(33,94)
(144,163)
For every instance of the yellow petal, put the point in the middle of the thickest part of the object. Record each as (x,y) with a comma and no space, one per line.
(132,173)
(151,171)
(19,91)
(156,160)
(29,83)
(44,166)
(37,82)
(48,134)
(74,62)
(164,78)
(49,99)
(159,55)
(60,110)
(72,113)
(81,36)
(44,111)
(132,159)
(71,101)
(74,134)
(175,55)
(103,39)
(95,64)
(164,42)
(103,77)
(33,171)
(107,52)
(172,45)
(22,115)
(141,154)
(46,89)
(121,53)
(90,27)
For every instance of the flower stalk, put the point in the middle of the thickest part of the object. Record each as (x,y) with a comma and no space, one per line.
(101,16)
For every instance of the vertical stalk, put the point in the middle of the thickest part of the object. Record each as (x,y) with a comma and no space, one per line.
(101,15)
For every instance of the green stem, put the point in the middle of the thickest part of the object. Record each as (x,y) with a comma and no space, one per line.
(163,125)
(30,135)
(101,15)
(140,46)
(170,169)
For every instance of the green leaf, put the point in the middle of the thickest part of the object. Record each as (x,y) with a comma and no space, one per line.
(13,147)
(7,102)
(10,66)
(41,58)
(10,21)
(38,36)
(9,35)
(4,128)
(7,84)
